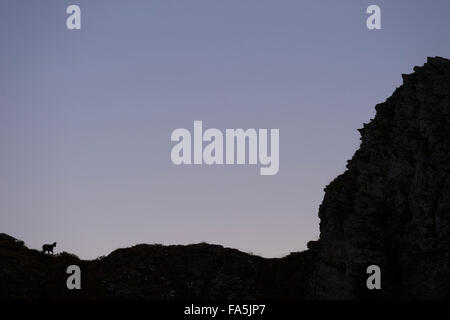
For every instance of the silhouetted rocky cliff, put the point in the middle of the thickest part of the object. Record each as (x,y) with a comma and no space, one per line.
(392,205)
(391,208)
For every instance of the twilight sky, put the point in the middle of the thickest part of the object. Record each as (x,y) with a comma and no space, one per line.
(86,116)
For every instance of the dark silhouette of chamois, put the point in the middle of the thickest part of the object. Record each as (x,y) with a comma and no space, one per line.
(48,248)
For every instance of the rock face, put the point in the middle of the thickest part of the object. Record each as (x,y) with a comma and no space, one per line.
(391,208)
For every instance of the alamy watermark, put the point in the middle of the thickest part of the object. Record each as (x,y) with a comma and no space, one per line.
(236,146)
(73,22)
(374,280)
(74,280)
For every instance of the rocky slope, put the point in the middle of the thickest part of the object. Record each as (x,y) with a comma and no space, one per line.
(390,208)
(200,271)
(392,205)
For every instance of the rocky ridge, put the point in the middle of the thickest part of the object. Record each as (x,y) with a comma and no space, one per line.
(390,208)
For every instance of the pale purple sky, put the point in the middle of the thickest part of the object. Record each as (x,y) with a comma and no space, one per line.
(86,116)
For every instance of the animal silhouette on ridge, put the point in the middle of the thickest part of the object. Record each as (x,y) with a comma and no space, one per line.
(48,248)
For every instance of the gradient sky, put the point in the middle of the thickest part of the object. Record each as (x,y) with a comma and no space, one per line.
(86,116)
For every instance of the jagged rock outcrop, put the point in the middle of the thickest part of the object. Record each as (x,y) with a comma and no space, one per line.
(391,208)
